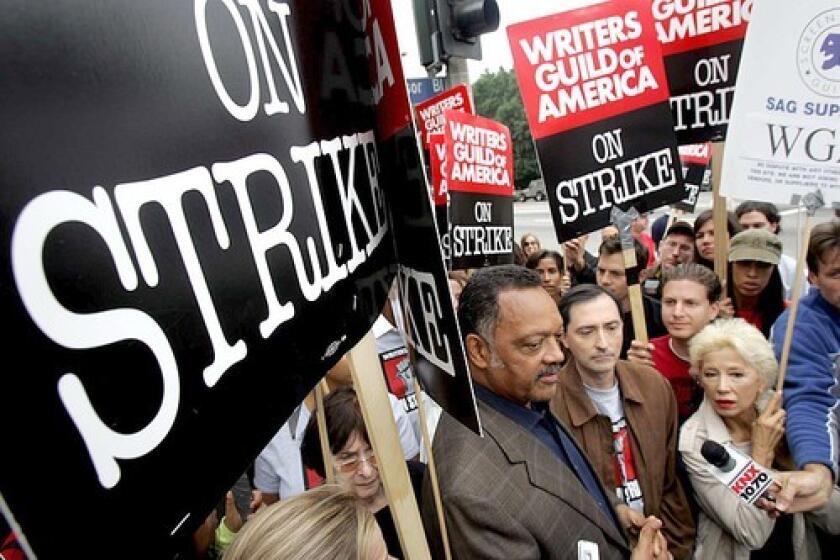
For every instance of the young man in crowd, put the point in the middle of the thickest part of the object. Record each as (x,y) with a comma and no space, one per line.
(677,247)
(812,384)
(525,489)
(611,275)
(690,295)
(623,415)
(765,215)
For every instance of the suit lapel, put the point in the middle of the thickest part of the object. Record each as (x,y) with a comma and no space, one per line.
(545,470)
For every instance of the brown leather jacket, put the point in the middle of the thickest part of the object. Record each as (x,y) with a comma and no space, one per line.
(651,413)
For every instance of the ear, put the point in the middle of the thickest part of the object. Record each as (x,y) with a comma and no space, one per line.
(812,277)
(478,352)
(714,311)
(643,273)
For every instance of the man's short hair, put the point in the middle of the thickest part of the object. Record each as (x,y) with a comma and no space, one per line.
(680,227)
(536,257)
(767,208)
(581,294)
(612,245)
(825,238)
(696,273)
(478,306)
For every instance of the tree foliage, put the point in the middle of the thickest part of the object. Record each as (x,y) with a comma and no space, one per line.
(496,96)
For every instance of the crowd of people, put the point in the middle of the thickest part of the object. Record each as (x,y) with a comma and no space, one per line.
(593,436)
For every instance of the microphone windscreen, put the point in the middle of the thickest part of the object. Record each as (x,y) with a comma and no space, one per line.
(716,454)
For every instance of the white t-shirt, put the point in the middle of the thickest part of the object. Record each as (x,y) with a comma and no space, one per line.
(278,468)
(608,403)
(787,270)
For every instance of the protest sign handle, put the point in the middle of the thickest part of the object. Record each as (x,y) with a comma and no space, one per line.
(719,215)
(369,381)
(794,306)
(637,310)
(427,445)
(623,221)
(322,389)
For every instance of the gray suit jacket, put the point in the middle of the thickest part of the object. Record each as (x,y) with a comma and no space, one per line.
(507,496)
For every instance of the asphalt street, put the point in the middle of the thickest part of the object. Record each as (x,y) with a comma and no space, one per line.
(534,217)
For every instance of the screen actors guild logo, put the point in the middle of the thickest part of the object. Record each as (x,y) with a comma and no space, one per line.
(818,54)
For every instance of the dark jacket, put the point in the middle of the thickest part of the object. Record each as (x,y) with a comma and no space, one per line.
(507,496)
(651,413)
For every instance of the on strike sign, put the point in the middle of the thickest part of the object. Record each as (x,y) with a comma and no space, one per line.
(595,93)
(701,41)
(479,156)
(430,112)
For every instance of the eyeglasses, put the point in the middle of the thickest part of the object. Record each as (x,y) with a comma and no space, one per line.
(348,465)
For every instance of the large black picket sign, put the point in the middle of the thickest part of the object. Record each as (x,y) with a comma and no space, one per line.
(103,104)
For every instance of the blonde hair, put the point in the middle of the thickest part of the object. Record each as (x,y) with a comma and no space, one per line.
(325,522)
(740,336)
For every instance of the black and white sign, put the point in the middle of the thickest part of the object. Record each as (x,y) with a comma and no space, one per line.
(195,226)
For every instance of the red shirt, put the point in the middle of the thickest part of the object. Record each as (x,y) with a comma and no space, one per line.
(752,317)
(647,241)
(675,370)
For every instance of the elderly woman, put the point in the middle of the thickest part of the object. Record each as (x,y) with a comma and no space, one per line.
(354,461)
(736,367)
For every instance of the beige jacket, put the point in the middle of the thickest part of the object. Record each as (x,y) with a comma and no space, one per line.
(728,527)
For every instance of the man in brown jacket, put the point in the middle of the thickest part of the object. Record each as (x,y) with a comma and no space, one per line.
(623,415)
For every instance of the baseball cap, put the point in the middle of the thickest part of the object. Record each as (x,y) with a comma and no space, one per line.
(682,228)
(755,245)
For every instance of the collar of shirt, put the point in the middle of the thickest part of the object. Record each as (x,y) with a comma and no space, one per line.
(526,417)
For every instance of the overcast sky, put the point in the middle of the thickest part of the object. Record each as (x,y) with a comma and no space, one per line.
(494,46)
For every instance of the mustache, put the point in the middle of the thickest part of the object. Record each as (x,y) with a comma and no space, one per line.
(551,369)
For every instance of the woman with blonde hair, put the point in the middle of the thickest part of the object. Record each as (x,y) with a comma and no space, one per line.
(737,370)
(325,522)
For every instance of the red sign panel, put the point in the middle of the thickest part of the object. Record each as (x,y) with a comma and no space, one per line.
(684,26)
(699,154)
(586,65)
(430,112)
(384,64)
(479,155)
(437,162)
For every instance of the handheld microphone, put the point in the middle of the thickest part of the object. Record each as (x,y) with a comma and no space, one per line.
(737,471)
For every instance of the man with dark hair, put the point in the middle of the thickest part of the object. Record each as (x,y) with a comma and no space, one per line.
(677,247)
(524,490)
(623,415)
(764,215)
(690,294)
(612,276)
(549,265)
(811,395)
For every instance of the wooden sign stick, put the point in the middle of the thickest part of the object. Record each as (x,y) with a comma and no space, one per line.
(622,221)
(322,389)
(719,216)
(369,381)
(812,201)
(427,444)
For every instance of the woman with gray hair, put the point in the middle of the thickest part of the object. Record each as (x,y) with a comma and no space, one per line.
(736,368)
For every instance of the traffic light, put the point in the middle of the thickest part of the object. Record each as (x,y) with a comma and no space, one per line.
(451,28)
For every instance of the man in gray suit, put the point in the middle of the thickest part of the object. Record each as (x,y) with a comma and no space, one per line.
(524,490)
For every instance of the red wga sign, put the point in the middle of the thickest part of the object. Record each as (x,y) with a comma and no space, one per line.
(430,118)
